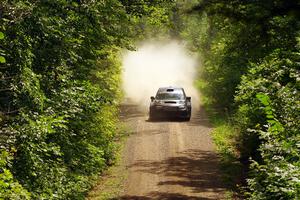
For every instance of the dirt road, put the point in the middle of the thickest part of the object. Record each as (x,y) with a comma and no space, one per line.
(170,159)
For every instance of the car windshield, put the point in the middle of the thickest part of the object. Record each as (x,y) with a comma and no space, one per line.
(170,96)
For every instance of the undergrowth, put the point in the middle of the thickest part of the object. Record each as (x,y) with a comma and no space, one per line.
(224,138)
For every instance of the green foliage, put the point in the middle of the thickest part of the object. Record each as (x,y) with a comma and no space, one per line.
(2,59)
(250,69)
(60,89)
(9,187)
(276,87)
(279,175)
(277,77)
(232,39)
(224,138)
(152,18)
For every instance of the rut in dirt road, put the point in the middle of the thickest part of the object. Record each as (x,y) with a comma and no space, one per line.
(170,159)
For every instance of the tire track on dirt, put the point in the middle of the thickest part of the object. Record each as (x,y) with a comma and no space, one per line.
(170,159)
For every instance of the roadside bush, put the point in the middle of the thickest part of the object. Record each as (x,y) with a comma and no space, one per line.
(250,52)
(278,177)
(277,76)
(60,89)
(271,91)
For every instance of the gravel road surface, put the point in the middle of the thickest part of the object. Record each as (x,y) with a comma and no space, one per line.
(170,159)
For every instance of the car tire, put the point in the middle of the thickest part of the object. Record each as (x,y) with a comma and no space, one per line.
(151,116)
(187,118)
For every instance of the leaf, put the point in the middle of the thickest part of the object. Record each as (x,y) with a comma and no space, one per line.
(1,35)
(264,99)
(270,116)
(2,59)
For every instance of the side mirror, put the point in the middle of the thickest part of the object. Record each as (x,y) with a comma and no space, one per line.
(188,99)
(152,98)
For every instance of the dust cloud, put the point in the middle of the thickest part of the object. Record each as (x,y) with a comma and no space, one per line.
(157,64)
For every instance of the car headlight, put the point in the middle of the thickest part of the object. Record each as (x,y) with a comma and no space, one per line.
(182,107)
(158,102)
(181,102)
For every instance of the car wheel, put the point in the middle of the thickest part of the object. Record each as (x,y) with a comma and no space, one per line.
(187,118)
(151,116)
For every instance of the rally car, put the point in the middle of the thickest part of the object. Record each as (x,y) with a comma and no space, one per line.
(170,102)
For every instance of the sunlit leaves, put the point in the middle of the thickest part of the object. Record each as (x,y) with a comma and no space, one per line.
(10,188)
(2,59)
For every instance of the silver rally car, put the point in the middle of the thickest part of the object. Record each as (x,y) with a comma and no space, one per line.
(170,102)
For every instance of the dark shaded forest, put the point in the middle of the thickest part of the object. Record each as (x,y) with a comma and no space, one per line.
(60,86)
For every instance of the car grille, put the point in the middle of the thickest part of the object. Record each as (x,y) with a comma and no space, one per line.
(171,102)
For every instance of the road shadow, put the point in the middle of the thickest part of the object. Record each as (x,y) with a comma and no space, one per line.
(161,196)
(130,111)
(166,119)
(196,169)
(198,118)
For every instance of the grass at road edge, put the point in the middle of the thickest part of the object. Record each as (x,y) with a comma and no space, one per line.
(224,135)
(111,183)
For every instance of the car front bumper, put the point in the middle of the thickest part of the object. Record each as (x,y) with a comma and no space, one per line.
(169,111)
